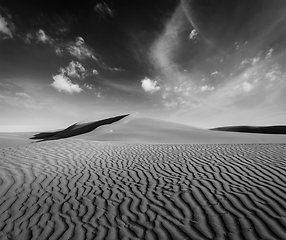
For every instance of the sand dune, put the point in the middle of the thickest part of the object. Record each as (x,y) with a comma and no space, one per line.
(136,178)
(132,129)
(127,128)
(76,129)
(281,129)
(78,189)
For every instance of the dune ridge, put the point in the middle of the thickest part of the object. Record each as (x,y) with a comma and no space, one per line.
(146,130)
(280,129)
(78,189)
(76,129)
(130,129)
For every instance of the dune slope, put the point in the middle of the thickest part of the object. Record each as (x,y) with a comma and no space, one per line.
(254,129)
(132,129)
(77,189)
(127,128)
(76,129)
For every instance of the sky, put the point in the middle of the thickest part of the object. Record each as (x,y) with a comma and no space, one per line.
(204,63)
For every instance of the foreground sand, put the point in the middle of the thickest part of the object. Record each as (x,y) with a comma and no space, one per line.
(78,189)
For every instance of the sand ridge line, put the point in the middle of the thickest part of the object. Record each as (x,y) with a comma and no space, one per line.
(75,188)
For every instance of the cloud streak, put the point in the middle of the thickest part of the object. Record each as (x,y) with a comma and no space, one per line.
(4,27)
(79,49)
(39,36)
(200,74)
(43,37)
(15,95)
(103,9)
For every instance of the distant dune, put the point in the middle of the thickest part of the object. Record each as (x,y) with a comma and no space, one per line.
(127,128)
(14,139)
(254,129)
(146,130)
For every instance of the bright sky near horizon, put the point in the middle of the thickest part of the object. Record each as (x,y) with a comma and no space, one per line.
(205,63)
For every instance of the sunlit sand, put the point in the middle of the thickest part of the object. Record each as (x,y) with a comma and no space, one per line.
(137,178)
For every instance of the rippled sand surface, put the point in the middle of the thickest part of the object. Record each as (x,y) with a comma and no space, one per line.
(78,189)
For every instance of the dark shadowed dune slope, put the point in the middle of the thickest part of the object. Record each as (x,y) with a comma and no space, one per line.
(76,129)
(254,129)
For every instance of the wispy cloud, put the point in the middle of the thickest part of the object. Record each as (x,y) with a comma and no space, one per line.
(99,95)
(150,85)
(22,100)
(88,86)
(247,86)
(43,37)
(38,36)
(92,87)
(28,38)
(75,70)
(79,49)
(15,95)
(195,75)
(177,84)
(103,9)
(59,51)
(28,100)
(166,44)
(64,84)
(5,27)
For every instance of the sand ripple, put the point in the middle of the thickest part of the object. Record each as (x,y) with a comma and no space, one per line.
(76,189)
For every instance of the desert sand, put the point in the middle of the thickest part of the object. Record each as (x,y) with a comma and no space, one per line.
(13,139)
(144,179)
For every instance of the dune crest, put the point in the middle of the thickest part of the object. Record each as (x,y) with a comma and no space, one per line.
(130,129)
(146,130)
(76,129)
(281,129)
